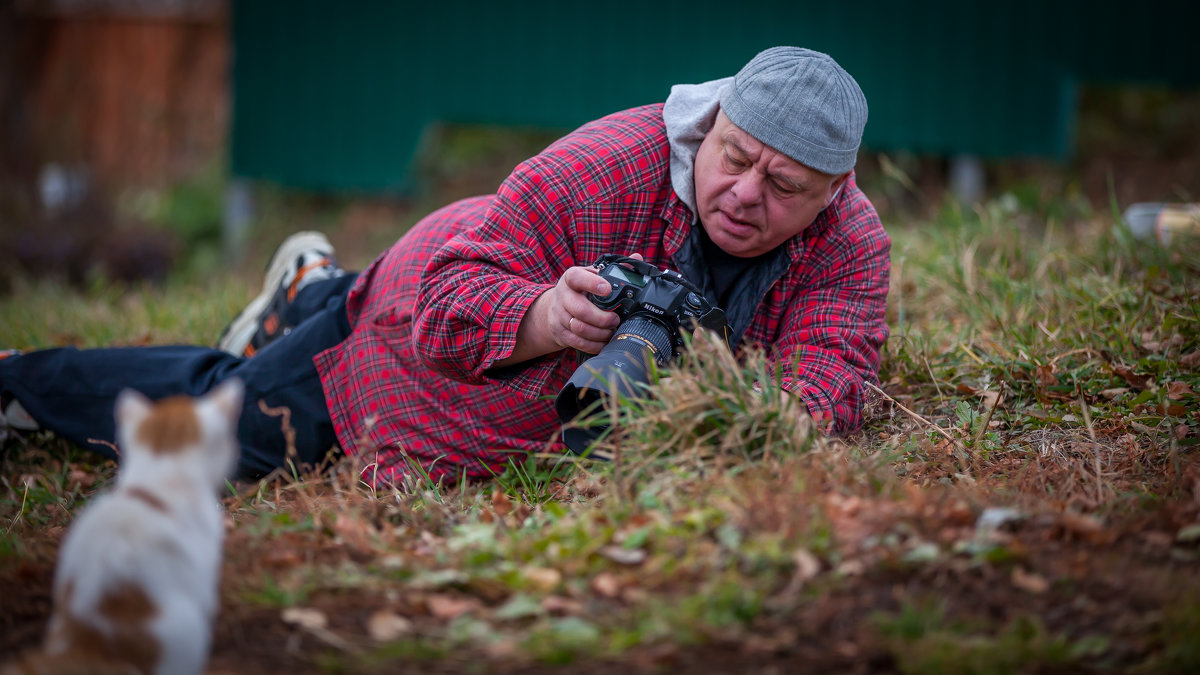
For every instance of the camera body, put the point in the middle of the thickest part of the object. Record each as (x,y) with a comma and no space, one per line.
(653,305)
(662,296)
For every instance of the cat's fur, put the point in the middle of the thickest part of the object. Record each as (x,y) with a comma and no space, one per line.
(135,590)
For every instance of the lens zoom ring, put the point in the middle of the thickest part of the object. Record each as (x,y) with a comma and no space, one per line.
(653,332)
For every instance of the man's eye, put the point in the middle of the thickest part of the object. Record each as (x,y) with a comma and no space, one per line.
(735,164)
(784,188)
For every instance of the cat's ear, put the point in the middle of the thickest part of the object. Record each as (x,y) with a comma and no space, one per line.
(132,407)
(227,397)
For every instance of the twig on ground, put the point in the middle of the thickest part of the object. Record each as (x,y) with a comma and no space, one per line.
(20,512)
(957,445)
(109,444)
(933,378)
(1087,421)
(987,418)
(1082,350)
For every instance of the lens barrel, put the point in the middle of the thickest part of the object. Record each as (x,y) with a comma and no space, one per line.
(621,368)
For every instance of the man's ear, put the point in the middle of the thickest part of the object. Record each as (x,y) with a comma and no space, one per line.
(835,187)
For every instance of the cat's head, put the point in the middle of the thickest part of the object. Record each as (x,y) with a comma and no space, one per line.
(199,432)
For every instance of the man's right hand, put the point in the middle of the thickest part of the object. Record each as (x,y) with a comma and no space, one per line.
(564,317)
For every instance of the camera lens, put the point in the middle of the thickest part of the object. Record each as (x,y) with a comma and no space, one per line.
(621,368)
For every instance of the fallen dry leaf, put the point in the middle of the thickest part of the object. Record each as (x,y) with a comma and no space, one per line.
(1110,394)
(624,556)
(1077,522)
(562,606)
(1044,375)
(83,479)
(281,558)
(1188,534)
(305,617)
(807,565)
(1190,360)
(559,491)
(313,621)
(520,513)
(638,520)
(851,568)
(957,512)
(633,595)
(544,579)
(1136,381)
(502,648)
(1176,410)
(386,626)
(1152,342)
(774,642)
(450,606)
(355,532)
(501,504)
(1177,390)
(606,584)
(1029,581)
(1086,527)
(1157,539)
(991,399)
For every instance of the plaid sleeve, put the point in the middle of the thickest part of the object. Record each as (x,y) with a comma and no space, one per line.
(595,189)
(476,289)
(835,326)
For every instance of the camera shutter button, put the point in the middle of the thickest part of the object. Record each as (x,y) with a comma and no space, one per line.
(611,296)
(694,300)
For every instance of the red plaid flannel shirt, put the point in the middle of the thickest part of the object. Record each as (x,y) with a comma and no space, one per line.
(435,312)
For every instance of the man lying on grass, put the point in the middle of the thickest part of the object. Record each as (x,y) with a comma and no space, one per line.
(443,354)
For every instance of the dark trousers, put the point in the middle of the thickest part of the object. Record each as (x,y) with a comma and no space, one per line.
(72,392)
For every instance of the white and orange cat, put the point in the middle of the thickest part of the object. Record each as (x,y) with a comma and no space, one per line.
(135,590)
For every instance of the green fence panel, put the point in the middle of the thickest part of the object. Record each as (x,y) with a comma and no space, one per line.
(337,95)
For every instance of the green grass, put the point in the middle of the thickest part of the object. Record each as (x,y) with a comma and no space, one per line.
(927,643)
(43,314)
(1041,360)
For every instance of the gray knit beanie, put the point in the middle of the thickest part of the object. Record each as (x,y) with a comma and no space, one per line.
(803,104)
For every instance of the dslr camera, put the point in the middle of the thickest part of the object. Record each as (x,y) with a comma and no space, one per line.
(655,307)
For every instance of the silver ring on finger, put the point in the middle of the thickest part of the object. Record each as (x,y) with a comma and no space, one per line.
(570,323)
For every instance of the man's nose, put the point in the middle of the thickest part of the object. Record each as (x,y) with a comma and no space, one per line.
(747,189)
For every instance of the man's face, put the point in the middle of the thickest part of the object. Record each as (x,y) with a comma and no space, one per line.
(751,197)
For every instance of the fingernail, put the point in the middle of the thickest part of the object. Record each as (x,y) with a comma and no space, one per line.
(603,288)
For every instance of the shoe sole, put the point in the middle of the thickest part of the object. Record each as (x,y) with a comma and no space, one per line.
(241,330)
(16,417)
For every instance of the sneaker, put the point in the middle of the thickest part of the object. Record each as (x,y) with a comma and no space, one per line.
(14,416)
(300,260)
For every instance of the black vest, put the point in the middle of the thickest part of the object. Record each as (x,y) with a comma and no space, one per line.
(746,282)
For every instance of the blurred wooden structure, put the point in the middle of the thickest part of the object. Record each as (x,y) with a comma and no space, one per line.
(136,91)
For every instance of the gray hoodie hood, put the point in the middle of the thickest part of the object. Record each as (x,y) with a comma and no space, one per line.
(689,112)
